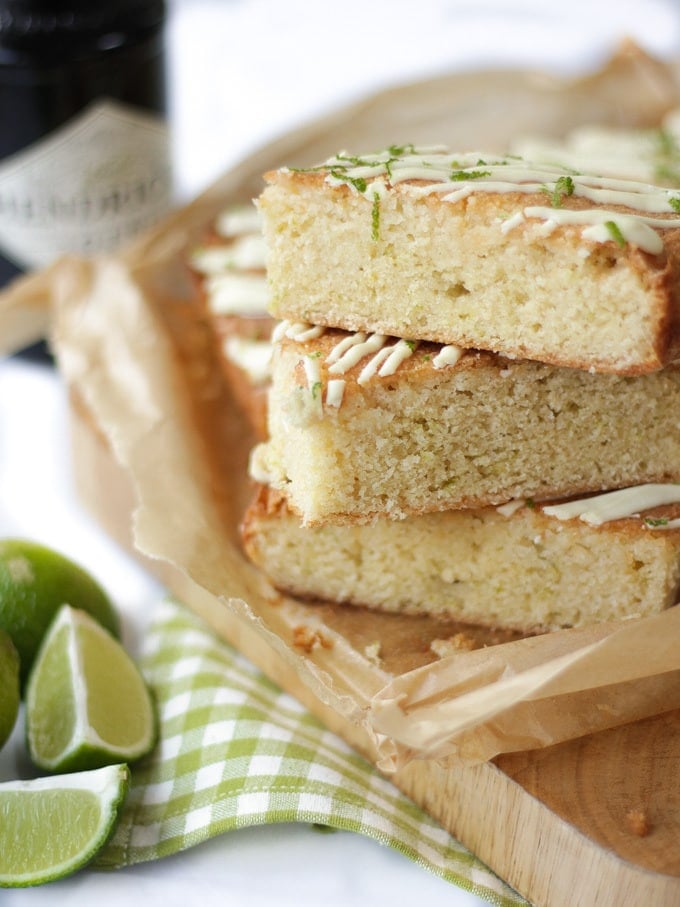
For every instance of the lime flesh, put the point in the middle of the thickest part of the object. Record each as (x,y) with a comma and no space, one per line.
(50,827)
(9,686)
(34,582)
(87,704)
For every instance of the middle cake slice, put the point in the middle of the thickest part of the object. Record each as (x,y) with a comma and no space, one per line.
(362,425)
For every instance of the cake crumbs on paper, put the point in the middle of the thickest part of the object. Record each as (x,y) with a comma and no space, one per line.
(307,639)
(459,642)
(274,597)
(637,822)
(373,653)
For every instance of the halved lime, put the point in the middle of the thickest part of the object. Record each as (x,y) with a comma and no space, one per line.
(9,686)
(87,704)
(34,582)
(49,827)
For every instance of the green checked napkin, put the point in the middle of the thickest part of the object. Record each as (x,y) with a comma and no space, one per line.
(236,751)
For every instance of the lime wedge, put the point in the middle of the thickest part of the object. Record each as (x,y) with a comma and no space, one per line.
(34,582)
(9,686)
(52,826)
(87,704)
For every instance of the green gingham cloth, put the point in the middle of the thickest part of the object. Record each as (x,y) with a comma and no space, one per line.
(235,751)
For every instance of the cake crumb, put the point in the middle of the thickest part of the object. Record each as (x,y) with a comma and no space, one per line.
(460,642)
(372,652)
(307,639)
(273,597)
(637,822)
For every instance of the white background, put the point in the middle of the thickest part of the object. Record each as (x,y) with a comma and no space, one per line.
(242,72)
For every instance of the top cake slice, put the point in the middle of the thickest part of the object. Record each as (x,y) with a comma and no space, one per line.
(486,252)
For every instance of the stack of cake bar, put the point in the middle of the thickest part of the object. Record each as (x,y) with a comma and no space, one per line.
(473,410)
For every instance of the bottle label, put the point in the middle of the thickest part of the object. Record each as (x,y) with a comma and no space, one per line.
(86,187)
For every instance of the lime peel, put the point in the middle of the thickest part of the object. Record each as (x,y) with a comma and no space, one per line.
(9,686)
(50,827)
(34,582)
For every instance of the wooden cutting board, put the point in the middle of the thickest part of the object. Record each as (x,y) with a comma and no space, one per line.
(594,821)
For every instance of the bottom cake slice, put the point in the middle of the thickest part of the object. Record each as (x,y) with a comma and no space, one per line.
(522,566)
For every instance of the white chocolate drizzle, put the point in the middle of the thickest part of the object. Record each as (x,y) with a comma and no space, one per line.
(234,272)
(249,252)
(400,352)
(662,524)
(386,358)
(426,171)
(507,510)
(335,391)
(211,259)
(234,293)
(312,369)
(258,466)
(356,352)
(447,356)
(617,505)
(238,220)
(511,222)
(343,345)
(313,373)
(300,331)
(235,284)
(637,230)
(373,364)
(303,333)
(651,155)
(246,253)
(251,356)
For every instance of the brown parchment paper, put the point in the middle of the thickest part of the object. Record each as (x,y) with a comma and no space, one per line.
(138,361)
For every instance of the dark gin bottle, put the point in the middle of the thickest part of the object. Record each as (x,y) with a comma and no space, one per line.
(84,142)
